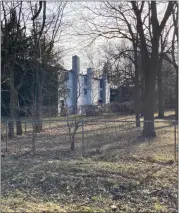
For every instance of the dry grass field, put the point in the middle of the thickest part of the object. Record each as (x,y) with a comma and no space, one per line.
(119,171)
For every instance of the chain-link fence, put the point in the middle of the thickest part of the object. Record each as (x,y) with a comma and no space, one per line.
(98,138)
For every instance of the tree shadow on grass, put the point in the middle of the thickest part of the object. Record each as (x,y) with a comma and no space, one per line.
(56,144)
(170,117)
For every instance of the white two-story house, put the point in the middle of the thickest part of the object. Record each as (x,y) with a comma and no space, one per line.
(83,90)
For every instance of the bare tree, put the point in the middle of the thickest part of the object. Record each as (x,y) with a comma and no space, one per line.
(14,47)
(76,112)
(17,21)
(160,78)
(127,71)
(118,22)
(150,59)
(45,35)
(171,54)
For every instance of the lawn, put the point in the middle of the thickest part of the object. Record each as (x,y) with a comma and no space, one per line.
(119,171)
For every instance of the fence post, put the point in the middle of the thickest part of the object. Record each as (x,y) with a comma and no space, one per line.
(175,142)
(50,111)
(25,127)
(83,145)
(6,135)
(50,123)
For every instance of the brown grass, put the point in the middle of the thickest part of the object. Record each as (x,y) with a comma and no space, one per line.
(58,180)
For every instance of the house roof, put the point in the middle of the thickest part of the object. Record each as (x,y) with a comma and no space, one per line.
(65,70)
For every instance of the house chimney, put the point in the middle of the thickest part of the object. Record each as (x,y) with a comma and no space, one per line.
(76,64)
(89,71)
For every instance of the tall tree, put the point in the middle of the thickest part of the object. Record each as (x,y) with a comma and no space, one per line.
(42,46)
(150,59)
(171,53)
(127,69)
(17,43)
(14,48)
(134,21)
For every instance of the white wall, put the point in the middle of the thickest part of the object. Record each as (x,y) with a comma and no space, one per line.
(107,92)
(82,99)
(95,91)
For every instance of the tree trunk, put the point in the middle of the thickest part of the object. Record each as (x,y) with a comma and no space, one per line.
(137,117)
(160,91)
(137,88)
(17,114)
(40,102)
(148,129)
(176,97)
(33,142)
(137,106)
(11,123)
(72,143)
(39,112)
(18,127)
(151,65)
(11,129)
(38,121)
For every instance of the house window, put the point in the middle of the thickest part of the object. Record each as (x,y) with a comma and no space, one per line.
(101,94)
(67,76)
(85,91)
(100,101)
(66,91)
(101,83)
(85,80)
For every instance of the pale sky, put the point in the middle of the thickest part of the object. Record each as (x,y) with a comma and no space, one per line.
(77,45)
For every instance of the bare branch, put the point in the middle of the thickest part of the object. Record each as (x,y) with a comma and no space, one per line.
(38,12)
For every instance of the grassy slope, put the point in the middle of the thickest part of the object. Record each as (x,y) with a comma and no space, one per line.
(145,180)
